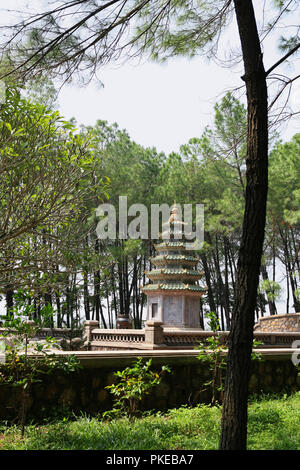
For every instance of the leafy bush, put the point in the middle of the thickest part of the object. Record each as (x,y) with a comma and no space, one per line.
(20,370)
(134,383)
(213,354)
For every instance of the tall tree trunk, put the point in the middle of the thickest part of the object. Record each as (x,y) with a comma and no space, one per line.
(234,415)
(221,288)
(121,290)
(9,297)
(288,257)
(287,291)
(274,264)
(222,319)
(294,265)
(58,308)
(67,305)
(296,261)
(230,262)
(211,300)
(114,295)
(108,309)
(86,297)
(226,284)
(271,303)
(126,287)
(97,294)
(201,314)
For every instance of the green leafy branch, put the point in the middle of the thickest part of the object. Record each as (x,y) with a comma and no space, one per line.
(134,383)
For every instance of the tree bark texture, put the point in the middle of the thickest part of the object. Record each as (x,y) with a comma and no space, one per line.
(234,416)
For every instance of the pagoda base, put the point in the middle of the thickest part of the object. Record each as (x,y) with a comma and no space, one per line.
(176,310)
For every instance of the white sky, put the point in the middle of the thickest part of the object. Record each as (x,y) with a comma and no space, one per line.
(160,106)
(163,106)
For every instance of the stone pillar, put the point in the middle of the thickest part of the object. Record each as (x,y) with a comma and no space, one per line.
(89,325)
(154,333)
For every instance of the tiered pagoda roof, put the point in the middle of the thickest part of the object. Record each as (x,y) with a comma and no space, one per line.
(174,265)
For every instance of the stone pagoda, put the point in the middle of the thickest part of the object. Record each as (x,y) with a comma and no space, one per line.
(173,297)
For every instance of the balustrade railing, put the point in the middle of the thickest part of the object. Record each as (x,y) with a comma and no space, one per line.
(53,332)
(155,335)
(128,336)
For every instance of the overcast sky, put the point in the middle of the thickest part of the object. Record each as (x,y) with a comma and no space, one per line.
(165,105)
(160,106)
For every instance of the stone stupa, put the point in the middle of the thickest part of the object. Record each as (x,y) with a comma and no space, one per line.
(173,297)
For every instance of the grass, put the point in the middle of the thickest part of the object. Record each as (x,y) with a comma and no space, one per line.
(273,423)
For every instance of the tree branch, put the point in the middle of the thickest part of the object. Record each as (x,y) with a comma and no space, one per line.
(288,54)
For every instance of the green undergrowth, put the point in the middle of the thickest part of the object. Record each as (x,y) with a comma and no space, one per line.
(273,423)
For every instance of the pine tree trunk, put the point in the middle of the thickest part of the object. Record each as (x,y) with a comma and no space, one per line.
(271,303)
(234,415)
(9,297)
(121,290)
(210,296)
(293,277)
(289,267)
(221,288)
(86,300)
(58,308)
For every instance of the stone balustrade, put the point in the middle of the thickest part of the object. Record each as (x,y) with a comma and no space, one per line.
(125,336)
(65,338)
(190,338)
(155,336)
(53,332)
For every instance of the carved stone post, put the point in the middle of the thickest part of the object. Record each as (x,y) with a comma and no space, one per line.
(154,333)
(89,325)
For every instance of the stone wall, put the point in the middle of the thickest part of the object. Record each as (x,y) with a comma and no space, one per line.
(84,390)
(289,322)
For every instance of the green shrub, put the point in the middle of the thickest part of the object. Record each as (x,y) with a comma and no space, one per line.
(21,371)
(134,383)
